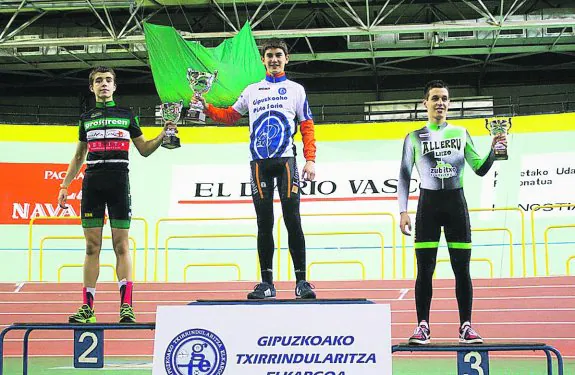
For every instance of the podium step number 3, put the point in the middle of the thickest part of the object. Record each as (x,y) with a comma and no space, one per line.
(473,363)
(88,348)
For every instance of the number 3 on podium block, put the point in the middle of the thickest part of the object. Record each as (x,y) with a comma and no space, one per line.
(88,348)
(473,363)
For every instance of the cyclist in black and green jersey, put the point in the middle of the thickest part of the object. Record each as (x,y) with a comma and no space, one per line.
(439,151)
(104,141)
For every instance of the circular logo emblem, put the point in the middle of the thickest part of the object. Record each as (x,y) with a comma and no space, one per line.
(196,352)
(282,90)
(271,135)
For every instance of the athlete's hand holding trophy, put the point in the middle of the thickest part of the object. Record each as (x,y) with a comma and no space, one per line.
(499,128)
(171,114)
(200,83)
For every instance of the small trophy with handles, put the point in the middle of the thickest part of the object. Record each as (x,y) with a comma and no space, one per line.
(171,112)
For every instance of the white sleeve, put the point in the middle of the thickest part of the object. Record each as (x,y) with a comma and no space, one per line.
(405,169)
(302,106)
(241,105)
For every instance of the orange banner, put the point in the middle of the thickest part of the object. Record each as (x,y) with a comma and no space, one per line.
(31,190)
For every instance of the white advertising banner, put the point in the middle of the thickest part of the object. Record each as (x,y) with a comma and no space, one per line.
(204,190)
(547,179)
(273,339)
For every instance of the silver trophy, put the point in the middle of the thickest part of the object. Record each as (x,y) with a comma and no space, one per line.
(200,83)
(496,127)
(171,112)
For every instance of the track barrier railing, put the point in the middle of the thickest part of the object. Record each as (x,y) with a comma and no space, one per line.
(546,242)
(480,260)
(186,219)
(341,214)
(44,239)
(336,262)
(234,265)
(511,255)
(533,239)
(50,218)
(378,234)
(78,265)
(199,236)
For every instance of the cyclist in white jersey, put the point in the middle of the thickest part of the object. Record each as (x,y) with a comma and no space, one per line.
(274,106)
(439,151)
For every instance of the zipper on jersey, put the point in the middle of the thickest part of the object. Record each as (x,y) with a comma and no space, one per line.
(268,126)
(441,130)
(105,112)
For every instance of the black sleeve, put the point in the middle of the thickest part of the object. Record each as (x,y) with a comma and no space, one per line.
(134,128)
(82,131)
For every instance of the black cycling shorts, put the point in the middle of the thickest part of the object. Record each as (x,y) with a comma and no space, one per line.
(442,208)
(111,189)
(283,170)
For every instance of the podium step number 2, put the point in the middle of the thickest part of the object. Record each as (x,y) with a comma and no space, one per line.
(88,348)
(473,363)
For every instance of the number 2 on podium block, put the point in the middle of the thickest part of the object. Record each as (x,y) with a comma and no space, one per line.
(88,348)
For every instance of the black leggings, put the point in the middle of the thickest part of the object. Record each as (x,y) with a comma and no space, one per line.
(263,174)
(426,260)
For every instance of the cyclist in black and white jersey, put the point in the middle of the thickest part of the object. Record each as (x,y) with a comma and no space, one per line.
(439,151)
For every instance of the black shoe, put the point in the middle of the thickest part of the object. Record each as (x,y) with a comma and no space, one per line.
(263,291)
(303,290)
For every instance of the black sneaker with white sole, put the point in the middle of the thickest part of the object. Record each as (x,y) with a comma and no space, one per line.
(304,290)
(263,291)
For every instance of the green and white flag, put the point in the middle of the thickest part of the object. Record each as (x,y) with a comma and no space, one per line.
(237,61)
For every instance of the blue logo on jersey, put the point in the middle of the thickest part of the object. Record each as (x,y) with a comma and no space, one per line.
(196,352)
(307,110)
(271,134)
(282,91)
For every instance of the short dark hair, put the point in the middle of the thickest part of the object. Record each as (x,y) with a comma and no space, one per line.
(435,84)
(274,43)
(101,69)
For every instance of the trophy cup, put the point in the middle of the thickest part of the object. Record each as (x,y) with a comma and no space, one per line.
(496,127)
(171,112)
(200,83)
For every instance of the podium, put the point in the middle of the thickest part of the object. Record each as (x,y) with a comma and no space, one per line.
(246,337)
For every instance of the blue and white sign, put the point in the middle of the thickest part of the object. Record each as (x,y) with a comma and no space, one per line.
(273,339)
(195,351)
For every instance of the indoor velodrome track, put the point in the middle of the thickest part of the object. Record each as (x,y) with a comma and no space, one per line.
(505,310)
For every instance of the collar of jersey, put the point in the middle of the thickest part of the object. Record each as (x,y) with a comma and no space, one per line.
(435,127)
(274,79)
(111,103)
